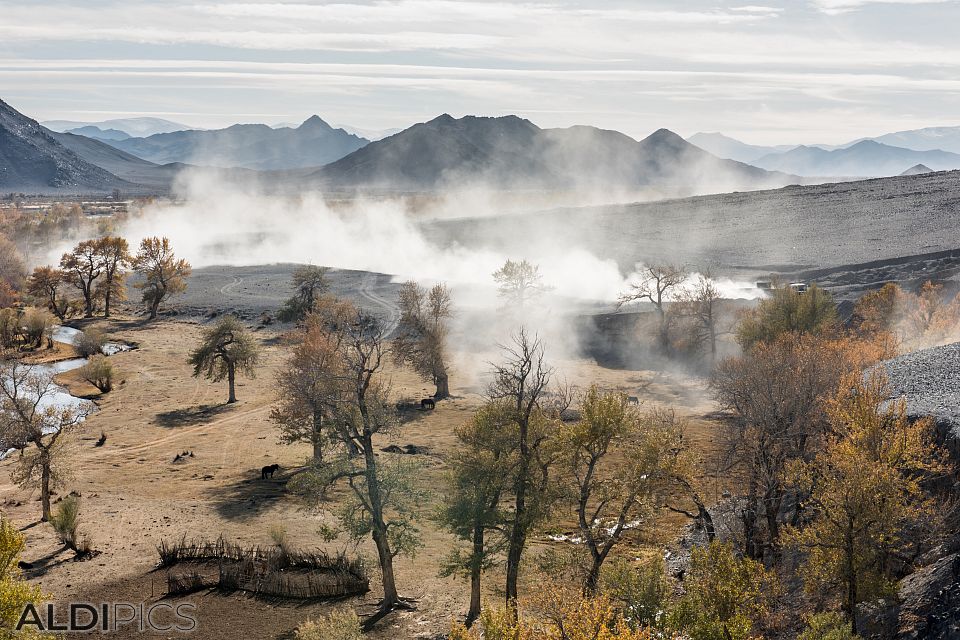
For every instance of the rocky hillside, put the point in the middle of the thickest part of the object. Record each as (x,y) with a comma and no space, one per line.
(33,161)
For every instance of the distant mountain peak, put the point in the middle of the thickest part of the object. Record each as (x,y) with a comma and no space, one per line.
(315,122)
(917,170)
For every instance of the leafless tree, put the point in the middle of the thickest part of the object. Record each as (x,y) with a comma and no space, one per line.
(521,384)
(519,282)
(422,333)
(31,421)
(656,284)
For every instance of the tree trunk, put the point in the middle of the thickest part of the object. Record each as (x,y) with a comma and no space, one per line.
(475,570)
(518,534)
(45,489)
(231,381)
(154,306)
(443,386)
(592,582)
(384,553)
(106,301)
(850,601)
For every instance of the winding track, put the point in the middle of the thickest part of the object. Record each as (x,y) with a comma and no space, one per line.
(391,308)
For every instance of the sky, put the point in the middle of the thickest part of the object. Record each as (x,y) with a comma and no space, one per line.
(800,71)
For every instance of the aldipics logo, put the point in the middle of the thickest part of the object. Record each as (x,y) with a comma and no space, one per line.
(109,616)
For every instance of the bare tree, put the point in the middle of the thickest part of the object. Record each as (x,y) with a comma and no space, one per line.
(224,350)
(421,338)
(163,274)
(521,384)
(519,282)
(699,304)
(31,421)
(656,284)
(82,267)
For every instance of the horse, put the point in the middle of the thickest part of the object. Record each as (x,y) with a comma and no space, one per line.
(268,471)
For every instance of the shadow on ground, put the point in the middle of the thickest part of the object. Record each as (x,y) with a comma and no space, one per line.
(191,415)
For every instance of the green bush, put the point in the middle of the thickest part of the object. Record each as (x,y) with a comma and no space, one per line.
(339,625)
(831,625)
(643,592)
(66,521)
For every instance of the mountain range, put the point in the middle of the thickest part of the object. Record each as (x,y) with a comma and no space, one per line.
(508,153)
(133,127)
(513,153)
(865,158)
(886,155)
(250,146)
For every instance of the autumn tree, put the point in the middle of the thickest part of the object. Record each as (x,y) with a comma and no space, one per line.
(656,284)
(82,267)
(726,597)
(115,255)
(865,493)
(555,613)
(521,384)
(15,592)
(383,498)
(617,462)
(12,271)
(163,274)
(879,310)
(46,285)
(789,311)
(477,484)
(31,421)
(226,349)
(309,284)
(423,331)
(777,396)
(310,387)
(519,282)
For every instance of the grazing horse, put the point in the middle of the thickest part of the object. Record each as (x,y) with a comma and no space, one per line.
(634,400)
(428,403)
(268,471)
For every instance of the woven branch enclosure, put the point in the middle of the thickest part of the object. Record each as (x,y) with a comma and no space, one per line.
(271,571)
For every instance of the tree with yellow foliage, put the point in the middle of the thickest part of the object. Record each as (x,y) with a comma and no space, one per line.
(557,614)
(864,492)
(15,592)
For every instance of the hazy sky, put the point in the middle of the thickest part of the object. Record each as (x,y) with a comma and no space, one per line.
(771,72)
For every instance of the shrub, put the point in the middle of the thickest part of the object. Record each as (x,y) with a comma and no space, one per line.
(831,625)
(98,372)
(9,328)
(66,521)
(90,342)
(339,625)
(643,592)
(36,325)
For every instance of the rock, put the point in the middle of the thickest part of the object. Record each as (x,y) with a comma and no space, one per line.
(877,620)
(930,602)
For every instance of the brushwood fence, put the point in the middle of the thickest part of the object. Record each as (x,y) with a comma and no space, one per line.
(266,571)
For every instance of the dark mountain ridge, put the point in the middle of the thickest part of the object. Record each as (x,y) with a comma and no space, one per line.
(32,160)
(513,153)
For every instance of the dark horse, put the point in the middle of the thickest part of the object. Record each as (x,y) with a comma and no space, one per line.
(428,403)
(268,471)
